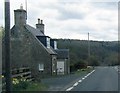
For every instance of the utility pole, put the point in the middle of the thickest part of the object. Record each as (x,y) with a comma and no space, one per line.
(7,48)
(88,50)
(26,8)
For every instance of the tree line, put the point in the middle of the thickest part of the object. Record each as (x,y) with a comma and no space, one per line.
(102,53)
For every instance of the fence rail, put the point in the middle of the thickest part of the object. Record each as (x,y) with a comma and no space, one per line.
(18,73)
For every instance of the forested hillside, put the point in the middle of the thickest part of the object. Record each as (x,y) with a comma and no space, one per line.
(101,53)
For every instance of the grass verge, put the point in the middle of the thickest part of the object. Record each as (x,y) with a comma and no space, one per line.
(85,70)
(29,86)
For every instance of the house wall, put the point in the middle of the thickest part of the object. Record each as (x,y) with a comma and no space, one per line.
(28,51)
(66,65)
(20,50)
(54,65)
(61,67)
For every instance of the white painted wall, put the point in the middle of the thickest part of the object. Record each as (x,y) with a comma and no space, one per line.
(60,67)
(48,42)
(55,44)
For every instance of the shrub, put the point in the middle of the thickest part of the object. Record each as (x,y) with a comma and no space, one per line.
(19,85)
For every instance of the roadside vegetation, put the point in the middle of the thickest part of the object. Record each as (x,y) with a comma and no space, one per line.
(22,84)
(1,31)
(103,53)
(29,86)
(84,70)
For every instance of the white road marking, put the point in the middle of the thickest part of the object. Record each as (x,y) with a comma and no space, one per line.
(75,84)
(69,89)
(83,78)
(79,81)
(93,70)
(86,76)
(116,68)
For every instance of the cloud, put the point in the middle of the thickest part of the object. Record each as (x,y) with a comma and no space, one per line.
(75,20)
(72,19)
(105,5)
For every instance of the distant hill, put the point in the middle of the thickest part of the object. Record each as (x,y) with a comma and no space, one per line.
(101,52)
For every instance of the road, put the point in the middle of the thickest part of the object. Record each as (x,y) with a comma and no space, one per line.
(61,83)
(100,79)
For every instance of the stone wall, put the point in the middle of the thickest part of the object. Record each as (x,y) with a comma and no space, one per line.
(26,50)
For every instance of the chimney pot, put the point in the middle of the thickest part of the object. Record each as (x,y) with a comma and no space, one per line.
(38,20)
(41,21)
(40,25)
(21,6)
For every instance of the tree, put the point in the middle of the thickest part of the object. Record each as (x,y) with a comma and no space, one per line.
(101,52)
(93,61)
(1,31)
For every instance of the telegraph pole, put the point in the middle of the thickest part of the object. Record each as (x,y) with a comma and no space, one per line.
(88,50)
(7,48)
(26,8)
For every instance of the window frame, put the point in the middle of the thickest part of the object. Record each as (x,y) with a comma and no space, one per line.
(41,67)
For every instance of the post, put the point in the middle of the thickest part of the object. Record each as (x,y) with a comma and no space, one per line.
(88,50)
(119,46)
(7,48)
(26,8)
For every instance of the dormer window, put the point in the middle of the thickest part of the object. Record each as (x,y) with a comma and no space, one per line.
(48,42)
(55,44)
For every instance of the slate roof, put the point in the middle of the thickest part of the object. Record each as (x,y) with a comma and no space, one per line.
(49,50)
(37,32)
(34,31)
(62,53)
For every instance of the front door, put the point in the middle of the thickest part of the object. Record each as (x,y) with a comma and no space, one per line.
(60,67)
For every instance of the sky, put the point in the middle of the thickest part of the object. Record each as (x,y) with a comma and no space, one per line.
(71,19)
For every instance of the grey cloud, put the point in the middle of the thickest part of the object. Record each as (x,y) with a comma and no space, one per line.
(106,35)
(104,19)
(65,15)
(105,5)
(80,29)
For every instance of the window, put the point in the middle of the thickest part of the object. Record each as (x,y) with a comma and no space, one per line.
(48,42)
(55,45)
(41,67)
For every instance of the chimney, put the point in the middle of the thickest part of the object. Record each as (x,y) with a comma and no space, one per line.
(41,21)
(20,16)
(38,21)
(40,25)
